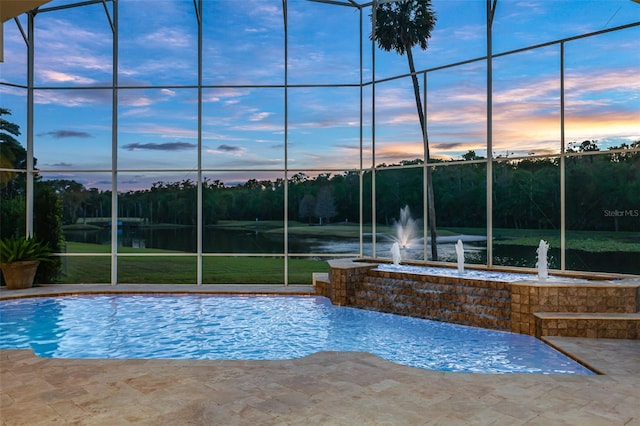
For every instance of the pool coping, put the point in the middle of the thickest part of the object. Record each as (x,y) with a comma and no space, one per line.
(238,289)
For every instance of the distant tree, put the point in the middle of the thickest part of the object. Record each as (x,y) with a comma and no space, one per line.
(74,196)
(471,155)
(299,178)
(307,207)
(584,146)
(400,26)
(325,204)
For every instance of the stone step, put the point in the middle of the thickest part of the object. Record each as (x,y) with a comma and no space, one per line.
(320,277)
(592,325)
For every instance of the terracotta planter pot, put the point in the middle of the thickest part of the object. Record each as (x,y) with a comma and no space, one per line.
(19,275)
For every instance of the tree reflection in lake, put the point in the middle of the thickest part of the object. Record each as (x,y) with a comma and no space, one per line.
(216,240)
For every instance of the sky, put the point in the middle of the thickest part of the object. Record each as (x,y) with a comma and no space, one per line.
(243,104)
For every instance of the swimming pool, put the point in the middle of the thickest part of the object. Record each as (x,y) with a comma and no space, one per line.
(260,328)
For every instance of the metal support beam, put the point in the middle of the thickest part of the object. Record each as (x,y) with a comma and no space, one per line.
(425,177)
(361,163)
(30,98)
(114,149)
(562,166)
(286,144)
(199,181)
(491,10)
(373,130)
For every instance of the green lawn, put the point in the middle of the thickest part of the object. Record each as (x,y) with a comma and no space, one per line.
(591,241)
(182,269)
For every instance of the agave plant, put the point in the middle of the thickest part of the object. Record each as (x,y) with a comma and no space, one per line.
(23,249)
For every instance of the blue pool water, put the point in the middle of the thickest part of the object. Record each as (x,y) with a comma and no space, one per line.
(260,328)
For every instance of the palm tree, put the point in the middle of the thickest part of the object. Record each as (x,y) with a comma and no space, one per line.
(401,25)
(12,156)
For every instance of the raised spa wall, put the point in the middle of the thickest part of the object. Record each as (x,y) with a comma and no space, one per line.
(604,308)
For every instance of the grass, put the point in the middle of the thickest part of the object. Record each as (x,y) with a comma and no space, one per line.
(182,269)
(594,244)
(590,241)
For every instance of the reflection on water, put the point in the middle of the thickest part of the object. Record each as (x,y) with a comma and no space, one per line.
(217,240)
(183,239)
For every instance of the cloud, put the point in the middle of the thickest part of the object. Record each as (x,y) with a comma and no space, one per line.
(74,98)
(144,98)
(70,54)
(247,163)
(167,38)
(353,147)
(449,146)
(62,134)
(259,116)
(227,95)
(158,130)
(229,148)
(51,76)
(233,150)
(396,151)
(60,164)
(167,146)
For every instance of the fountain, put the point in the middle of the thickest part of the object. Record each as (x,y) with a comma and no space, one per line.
(395,253)
(499,299)
(541,264)
(460,256)
(406,228)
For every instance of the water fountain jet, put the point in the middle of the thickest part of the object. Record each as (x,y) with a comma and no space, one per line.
(406,228)
(541,264)
(395,253)
(460,256)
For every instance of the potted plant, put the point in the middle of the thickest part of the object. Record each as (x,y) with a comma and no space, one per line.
(19,260)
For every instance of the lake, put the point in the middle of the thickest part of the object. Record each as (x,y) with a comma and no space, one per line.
(216,240)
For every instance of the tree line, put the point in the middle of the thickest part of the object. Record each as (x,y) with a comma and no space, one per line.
(602,193)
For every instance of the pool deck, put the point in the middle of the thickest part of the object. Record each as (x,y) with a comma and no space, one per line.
(326,388)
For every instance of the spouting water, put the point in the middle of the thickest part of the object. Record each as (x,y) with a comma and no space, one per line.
(395,253)
(541,264)
(460,256)
(406,228)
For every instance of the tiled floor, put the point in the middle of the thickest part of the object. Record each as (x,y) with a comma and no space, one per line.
(327,388)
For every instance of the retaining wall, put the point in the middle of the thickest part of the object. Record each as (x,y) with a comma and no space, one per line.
(481,303)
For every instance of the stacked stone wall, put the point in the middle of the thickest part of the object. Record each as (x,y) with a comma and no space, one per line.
(452,299)
(603,308)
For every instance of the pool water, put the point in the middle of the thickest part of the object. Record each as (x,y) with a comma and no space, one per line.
(486,275)
(260,328)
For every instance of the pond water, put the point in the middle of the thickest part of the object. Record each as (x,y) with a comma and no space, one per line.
(216,240)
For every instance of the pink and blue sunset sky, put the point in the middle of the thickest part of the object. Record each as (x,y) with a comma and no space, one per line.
(243,101)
